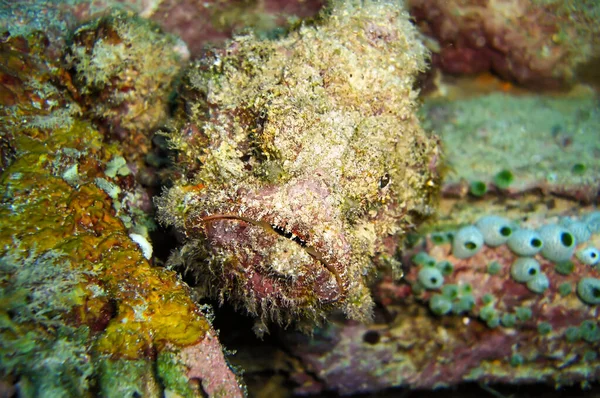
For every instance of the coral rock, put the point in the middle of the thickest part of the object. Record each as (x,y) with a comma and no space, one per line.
(124,67)
(82,309)
(495,330)
(533,42)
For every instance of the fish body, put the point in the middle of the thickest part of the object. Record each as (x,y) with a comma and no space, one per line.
(303,164)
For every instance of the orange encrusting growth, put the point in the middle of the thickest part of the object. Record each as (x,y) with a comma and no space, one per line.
(144,307)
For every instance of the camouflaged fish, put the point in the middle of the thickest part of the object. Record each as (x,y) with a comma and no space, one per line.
(302,164)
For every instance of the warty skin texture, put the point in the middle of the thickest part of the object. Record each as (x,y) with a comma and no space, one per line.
(302,163)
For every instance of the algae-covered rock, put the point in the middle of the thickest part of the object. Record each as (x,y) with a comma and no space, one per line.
(516,144)
(482,324)
(537,43)
(83,309)
(302,163)
(124,68)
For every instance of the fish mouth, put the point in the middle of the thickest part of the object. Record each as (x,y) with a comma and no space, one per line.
(282,245)
(274,229)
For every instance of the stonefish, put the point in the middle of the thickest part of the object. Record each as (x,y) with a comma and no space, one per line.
(302,164)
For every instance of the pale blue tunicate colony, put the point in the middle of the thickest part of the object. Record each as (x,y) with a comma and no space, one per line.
(558,243)
(539,283)
(467,242)
(555,242)
(525,242)
(495,230)
(440,305)
(588,290)
(431,278)
(579,229)
(593,222)
(524,269)
(589,255)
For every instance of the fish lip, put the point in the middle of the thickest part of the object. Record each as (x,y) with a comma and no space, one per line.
(322,237)
(318,250)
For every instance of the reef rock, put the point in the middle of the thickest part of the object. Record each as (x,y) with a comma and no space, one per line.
(508,145)
(471,309)
(84,312)
(532,42)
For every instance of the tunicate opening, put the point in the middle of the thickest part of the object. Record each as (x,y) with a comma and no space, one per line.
(438,239)
(372,337)
(535,242)
(470,245)
(567,239)
(596,292)
(532,271)
(505,231)
(433,281)
(588,326)
(445,267)
(593,255)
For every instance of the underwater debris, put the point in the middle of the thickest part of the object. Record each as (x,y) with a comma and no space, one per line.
(302,164)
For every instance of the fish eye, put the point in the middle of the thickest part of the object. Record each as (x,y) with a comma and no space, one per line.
(384,180)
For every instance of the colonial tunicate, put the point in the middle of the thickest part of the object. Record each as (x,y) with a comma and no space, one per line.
(588,290)
(495,230)
(524,269)
(559,243)
(431,278)
(525,242)
(539,283)
(467,242)
(589,255)
(440,305)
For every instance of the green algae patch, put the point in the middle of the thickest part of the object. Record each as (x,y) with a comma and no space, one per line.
(518,142)
(171,373)
(127,378)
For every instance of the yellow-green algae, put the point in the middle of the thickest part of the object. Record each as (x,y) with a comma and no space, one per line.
(45,213)
(76,291)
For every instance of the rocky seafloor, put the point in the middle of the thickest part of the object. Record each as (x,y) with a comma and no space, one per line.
(282,198)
